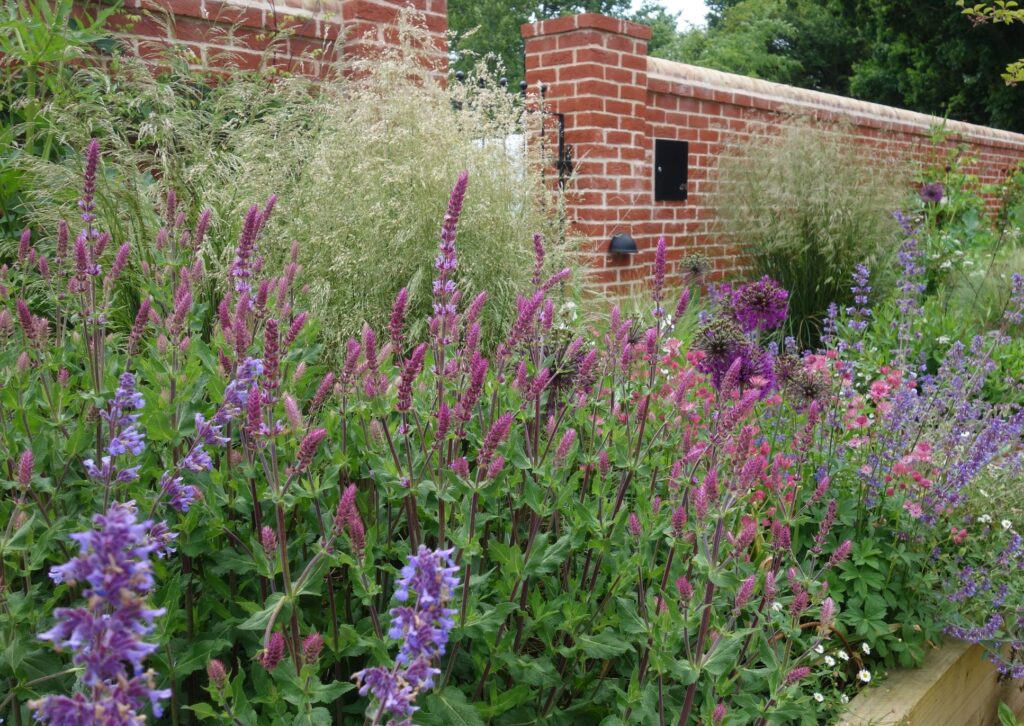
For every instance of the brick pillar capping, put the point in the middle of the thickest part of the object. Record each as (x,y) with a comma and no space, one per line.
(616,101)
(596,72)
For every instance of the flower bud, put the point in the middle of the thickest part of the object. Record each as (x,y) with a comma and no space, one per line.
(217,674)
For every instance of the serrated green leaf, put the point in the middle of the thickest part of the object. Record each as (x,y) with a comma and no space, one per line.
(449,708)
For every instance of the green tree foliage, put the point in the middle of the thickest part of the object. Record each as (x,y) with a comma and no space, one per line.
(1005,12)
(926,56)
(800,42)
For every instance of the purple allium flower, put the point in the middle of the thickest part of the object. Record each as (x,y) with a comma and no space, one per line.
(108,634)
(273,651)
(760,305)
(932,193)
(422,629)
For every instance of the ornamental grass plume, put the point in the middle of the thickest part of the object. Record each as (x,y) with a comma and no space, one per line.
(109,634)
(422,629)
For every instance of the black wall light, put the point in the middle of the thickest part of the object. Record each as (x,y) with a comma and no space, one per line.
(623,244)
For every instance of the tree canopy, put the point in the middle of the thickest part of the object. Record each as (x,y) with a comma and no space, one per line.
(925,55)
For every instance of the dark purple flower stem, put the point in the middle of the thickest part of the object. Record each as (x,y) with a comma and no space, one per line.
(705,621)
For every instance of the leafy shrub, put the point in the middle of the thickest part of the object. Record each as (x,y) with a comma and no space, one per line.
(806,205)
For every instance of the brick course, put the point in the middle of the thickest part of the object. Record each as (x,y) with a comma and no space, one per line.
(299,36)
(617,101)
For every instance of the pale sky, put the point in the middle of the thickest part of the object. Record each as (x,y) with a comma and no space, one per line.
(690,11)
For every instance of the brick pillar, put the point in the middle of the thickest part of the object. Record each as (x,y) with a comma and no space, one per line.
(595,68)
(371,24)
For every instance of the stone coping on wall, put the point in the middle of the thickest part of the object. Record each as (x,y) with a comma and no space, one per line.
(681,79)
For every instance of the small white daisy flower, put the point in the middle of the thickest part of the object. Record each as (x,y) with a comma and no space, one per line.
(819,698)
(864,675)
(819,649)
(985,519)
(843,655)
(943,339)
(830,661)
(866,648)
(1006,524)
(843,698)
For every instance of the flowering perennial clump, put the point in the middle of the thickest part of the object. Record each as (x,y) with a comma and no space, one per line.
(422,629)
(108,635)
(577,522)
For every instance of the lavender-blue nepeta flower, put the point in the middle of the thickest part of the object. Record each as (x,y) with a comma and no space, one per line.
(422,628)
(107,635)
(181,495)
(125,437)
(236,395)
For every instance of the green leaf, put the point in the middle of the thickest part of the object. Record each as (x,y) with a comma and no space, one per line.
(545,559)
(259,619)
(202,711)
(449,708)
(602,646)
(316,717)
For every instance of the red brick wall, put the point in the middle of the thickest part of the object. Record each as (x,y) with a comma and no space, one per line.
(299,36)
(617,101)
